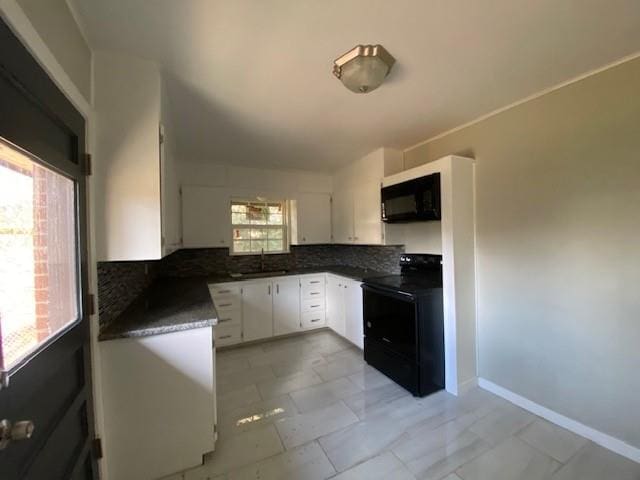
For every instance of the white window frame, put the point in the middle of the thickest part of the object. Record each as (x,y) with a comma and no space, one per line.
(284,227)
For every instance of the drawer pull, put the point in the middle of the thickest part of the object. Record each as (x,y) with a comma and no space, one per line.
(315,320)
(224,291)
(314,306)
(314,281)
(314,293)
(224,337)
(222,320)
(225,304)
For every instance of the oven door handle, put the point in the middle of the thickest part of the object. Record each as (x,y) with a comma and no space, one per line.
(406,297)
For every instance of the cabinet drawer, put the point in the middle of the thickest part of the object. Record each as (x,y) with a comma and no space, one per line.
(227,335)
(223,290)
(313,305)
(227,303)
(228,318)
(313,290)
(313,319)
(312,281)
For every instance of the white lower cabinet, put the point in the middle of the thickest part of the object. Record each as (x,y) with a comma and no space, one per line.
(354,323)
(344,308)
(335,304)
(159,392)
(257,310)
(286,305)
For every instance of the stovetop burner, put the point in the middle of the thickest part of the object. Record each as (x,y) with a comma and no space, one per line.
(419,272)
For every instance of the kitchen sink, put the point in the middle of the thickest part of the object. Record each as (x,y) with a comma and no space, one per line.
(272,273)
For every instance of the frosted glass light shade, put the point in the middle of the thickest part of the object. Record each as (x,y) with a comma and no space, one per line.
(363,68)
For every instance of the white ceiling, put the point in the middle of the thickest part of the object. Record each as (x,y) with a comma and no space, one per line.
(250,81)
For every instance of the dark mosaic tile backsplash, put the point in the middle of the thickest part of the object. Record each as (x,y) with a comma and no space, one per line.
(119,283)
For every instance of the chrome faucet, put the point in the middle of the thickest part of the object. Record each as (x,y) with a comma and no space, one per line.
(262,260)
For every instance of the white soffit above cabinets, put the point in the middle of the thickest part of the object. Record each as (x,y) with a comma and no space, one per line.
(250,81)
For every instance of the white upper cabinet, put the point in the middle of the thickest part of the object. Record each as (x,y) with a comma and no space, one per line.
(136,188)
(286,305)
(342,216)
(257,310)
(356,198)
(206,219)
(367,223)
(311,219)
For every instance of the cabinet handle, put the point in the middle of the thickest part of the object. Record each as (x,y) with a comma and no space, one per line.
(345,286)
(278,289)
(314,293)
(221,241)
(222,320)
(314,281)
(224,291)
(314,306)
(225,305)
(315,320)
(224,337)
(269,290)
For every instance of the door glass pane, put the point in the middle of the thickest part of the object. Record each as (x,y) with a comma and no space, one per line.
(38,265)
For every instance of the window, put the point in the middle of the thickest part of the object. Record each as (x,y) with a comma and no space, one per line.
(38,264)
(258,226)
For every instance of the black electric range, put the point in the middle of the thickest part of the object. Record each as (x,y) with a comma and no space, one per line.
(404,324)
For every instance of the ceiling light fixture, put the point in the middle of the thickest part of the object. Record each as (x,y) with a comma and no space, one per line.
(363,68)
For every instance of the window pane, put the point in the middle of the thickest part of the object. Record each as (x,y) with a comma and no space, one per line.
(239,208)
(241,246)
(239,218)
(258,233)
(241,233)
(258,245)
(38,271)
(275,233)
(257,214)
(275,219)
(275,246)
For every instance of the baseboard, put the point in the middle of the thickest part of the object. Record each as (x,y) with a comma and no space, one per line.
(602,439)
(467,385)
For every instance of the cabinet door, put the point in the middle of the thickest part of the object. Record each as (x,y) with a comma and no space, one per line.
(206,217)
(335,316)
(257,310)
(367,216)
(354,325)
(342,216)
(286,305)
(314,218)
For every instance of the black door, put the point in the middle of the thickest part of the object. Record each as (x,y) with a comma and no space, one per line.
(44,325)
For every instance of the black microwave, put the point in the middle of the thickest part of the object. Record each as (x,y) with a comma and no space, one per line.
(415,200)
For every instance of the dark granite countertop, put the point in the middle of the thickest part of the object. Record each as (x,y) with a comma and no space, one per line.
(175,304)
(353,273)
(168,305)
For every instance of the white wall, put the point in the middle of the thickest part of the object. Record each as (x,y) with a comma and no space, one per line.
(55,23)
(419,237)
(272,183)
(558,263)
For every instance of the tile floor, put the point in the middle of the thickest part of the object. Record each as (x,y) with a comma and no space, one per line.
(308,407)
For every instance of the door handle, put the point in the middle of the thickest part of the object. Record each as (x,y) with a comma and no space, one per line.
(14,432)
